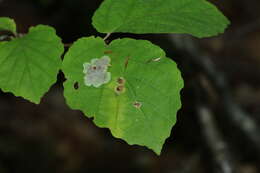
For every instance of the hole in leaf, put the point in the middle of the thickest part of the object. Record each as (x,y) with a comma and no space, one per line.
(76,85)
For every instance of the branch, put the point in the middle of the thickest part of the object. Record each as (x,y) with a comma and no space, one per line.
(241,119)
(216,144)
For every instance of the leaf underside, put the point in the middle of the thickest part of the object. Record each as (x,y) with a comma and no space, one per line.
(195,17)
(30,64)
(145,110)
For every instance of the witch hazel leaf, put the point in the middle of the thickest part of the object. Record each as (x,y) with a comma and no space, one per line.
(140,100)
(29,65)
(195,17)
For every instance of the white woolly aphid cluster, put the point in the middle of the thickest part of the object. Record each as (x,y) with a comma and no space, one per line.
(96,71)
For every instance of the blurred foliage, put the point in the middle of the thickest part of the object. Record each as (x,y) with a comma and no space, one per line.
(53,138)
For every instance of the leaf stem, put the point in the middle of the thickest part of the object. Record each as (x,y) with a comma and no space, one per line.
(106,37)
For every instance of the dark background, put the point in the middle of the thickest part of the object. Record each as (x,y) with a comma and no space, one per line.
(217,128)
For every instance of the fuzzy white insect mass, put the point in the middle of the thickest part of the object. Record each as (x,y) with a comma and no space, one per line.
(96,71)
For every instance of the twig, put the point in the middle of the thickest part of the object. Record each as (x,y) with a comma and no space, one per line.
(216,144)
(236,115)
(223,160)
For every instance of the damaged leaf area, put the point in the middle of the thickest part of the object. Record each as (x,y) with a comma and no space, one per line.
(96,72)
(7,24)
(124,89)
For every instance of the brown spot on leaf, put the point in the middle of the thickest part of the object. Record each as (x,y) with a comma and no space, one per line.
(126,61)
(119,89)
(121,81)
(137,104)
(94,67)
(108,52)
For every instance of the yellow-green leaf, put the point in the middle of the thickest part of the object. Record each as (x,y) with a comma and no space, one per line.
(139,103)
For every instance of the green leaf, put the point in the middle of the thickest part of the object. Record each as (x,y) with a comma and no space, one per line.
(196,17)
(29,65)
(139,103)
(7,24)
